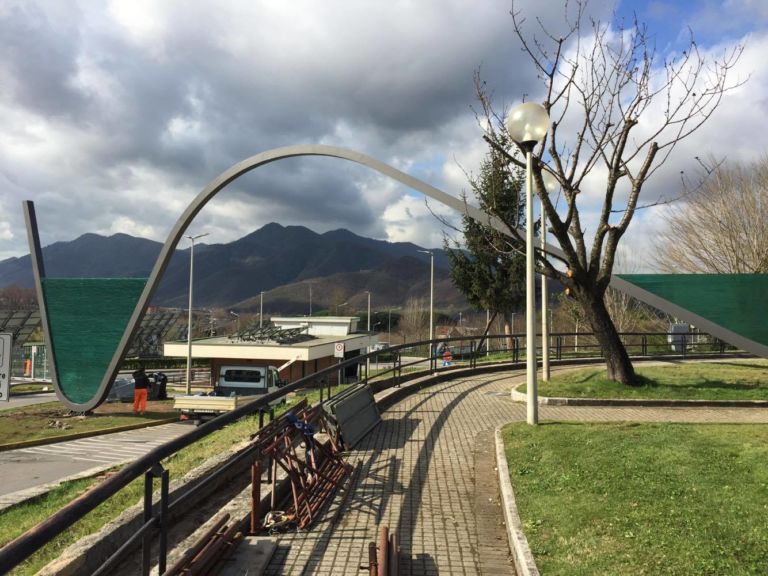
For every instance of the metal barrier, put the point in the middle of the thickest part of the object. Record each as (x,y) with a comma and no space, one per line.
(468,354)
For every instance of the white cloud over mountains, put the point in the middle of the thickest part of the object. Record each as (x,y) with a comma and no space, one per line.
(115,115)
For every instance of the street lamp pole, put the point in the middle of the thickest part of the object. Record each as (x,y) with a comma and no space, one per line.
(550,185)
(368,360)
(431,293)
(189,319)
(527,125)
(261,309)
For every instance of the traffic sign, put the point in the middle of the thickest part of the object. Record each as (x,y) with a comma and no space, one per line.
(5,366)
(338,350)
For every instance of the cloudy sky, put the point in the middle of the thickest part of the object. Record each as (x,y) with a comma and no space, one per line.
(115,114)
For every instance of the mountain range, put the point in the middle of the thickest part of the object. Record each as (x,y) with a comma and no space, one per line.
(284,262)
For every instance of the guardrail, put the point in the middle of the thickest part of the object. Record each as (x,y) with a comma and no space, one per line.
(416,356)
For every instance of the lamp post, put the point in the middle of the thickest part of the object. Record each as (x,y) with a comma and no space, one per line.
(237,318)
(189,320)
(261,309)
(431,292)
(550,185)
(368,360)
(527,125)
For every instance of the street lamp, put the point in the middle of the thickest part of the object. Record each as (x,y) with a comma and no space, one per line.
(261,308)
(431,293)
(340,305)
(189,321)
(527,125)
(237,318)
(550,185)
(368,360)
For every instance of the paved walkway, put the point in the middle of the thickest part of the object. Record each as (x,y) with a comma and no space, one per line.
(424,473)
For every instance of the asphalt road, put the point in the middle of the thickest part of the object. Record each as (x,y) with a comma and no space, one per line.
(28,400)
(28,471)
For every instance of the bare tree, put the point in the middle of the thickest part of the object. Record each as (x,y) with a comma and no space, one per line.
(627,313)
(721,227)
(599,80)
(414,320)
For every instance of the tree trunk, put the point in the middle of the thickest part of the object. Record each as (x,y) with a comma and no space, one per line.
(485,334)
(616,358)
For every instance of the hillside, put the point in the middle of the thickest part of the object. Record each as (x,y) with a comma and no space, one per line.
(280,260)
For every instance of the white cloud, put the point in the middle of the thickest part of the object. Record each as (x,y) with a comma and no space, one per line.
(116,115)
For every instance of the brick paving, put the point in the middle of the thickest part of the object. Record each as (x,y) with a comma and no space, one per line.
(419,475)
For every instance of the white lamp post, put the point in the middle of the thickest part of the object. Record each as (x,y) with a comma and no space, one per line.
(189,320)
(261,309)
(431,294)
(527,125)
(550,185)
(368,360)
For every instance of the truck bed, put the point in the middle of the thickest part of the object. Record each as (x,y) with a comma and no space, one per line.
(211,404)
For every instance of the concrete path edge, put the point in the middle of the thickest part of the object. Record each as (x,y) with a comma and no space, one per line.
(518,543)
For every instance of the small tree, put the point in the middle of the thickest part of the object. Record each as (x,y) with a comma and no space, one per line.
(598,81)
(491,277)
(722,226)
(414,320)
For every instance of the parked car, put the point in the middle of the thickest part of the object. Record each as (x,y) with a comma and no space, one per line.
(122,390)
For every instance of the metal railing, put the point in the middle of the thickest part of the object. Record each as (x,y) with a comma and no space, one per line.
(400,362)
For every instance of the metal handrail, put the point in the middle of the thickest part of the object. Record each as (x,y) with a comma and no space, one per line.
(28,543)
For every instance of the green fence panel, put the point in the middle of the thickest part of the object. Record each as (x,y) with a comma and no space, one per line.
(738,302)
(87,318)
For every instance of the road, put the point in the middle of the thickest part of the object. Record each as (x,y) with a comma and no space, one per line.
(26,472)
(28,400)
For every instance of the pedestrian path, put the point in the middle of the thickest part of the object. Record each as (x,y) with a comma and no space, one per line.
(26,472)
(421,476)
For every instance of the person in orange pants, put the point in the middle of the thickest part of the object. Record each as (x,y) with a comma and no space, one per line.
(140,391)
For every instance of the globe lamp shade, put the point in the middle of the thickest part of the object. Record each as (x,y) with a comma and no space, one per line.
(550,182)
(528,123)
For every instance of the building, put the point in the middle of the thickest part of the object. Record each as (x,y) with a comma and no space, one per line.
(300,345)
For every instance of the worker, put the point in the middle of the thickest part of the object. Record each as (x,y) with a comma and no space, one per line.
(140,390)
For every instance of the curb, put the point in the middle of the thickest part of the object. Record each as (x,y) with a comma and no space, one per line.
(79,435)
(649,403)
(518,543)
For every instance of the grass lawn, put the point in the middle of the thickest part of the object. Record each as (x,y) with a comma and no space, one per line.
(672,499)
(20,389)
(726,380)
(53,419)
(16,520)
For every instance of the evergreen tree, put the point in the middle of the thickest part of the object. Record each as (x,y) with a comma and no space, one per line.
(490,275)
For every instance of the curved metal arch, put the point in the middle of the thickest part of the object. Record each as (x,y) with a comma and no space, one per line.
(228,176)
(457,204)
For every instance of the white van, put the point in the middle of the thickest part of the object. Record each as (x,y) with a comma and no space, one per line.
(247,381)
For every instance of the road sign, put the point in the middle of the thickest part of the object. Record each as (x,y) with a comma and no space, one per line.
(5,366)
(338,350)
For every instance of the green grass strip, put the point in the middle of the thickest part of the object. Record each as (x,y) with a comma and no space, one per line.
(673,499)
(727,380)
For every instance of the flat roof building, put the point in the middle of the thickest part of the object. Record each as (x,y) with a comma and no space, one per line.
(307,343)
